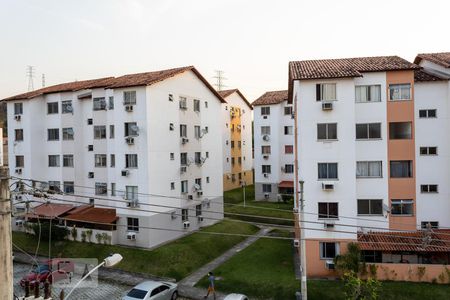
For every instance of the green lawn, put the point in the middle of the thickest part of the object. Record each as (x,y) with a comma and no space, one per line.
(265,270)
(257,208)
(175,260)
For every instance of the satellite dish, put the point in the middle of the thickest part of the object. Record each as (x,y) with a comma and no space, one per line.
(197,186)
(69,108)
(134,128)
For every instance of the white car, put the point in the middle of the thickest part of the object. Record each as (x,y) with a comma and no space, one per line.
(236,297)
(153,290)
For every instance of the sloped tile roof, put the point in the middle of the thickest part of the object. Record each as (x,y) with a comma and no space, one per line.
(64,87)
(405,241)
(226,93)
(272,97)
(442,58)
(91,214)
(130,80)
(49,210)
(346,67)
(423,75)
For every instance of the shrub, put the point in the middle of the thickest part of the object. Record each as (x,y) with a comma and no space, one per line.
(105,238)
(350,261)
(83,236)
(57,233)
(358,289)
(74,233)
(421,272)
(98,237)
(89,235)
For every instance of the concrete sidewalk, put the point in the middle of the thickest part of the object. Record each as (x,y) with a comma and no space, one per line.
(186,286)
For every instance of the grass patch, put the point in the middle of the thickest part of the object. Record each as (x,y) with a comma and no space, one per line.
(176,259)
(259,208)
(265,270)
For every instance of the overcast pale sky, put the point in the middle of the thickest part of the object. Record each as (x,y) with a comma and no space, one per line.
(252,41)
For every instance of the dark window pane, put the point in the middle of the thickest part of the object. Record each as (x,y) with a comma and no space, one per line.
(432,113)
(376,207)
(375,131)
(333,210)
(422,113)
(323,210)
(361,131)
(322,170)
(321,131)
(332,131)
(332,171)
(363,207)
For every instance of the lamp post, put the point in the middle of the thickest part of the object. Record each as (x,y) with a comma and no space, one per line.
(243,186)
(108,262)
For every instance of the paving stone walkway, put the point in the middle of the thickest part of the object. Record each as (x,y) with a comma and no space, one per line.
(186,286)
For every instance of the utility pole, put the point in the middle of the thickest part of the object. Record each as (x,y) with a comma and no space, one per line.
(302,244)
(30,76)
(299,215)
(6,266)
(219,80)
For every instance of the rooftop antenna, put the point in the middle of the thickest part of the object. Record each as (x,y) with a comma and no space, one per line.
(43,80)
(30,75)
(219,80)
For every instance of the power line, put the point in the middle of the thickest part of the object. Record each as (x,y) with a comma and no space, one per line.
(238,234)
(247,206)
(91,196)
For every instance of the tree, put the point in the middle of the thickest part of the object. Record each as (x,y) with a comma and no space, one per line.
(358,289)
(350,261)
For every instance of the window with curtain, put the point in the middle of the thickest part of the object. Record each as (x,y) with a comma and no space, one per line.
(265,130)
(402,207)
(368,93)
(325,91)
(401,168)
(131,192)
(400,92)
(328,170)
(328,250)
(265,149)
(369,169)
(131,161)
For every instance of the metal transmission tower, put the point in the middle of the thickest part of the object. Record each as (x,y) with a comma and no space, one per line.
(219,80)
(30,75)
(43,80)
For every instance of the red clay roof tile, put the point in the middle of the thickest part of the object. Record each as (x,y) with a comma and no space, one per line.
(442,58)
(272,97)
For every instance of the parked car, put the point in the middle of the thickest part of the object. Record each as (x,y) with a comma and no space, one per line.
(153,290)
(236,297)
(52,270)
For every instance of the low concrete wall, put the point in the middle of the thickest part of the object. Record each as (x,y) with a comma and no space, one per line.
(412,272)
(111,236)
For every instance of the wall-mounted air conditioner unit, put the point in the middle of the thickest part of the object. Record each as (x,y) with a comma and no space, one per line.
(18,117)
(328,224)
(266,196)
(190,197)
(283,169)
(200,218)
(129,140)
(19,222)
(18,170)
(329,264)
(131,236)
(328,186)
(90,174)
(184,140)
(199,193)
(173,215)
(266,175)
(186,224)
(129,108)
(133,203)
(296,243)
(326,105)
(266,156)
(125,173)
(183,169)
(266,137)
(264,117)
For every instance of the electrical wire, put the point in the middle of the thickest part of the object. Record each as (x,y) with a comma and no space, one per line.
(247,206)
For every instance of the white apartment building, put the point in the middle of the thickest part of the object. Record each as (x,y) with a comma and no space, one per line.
(274,146)
(432,113)
(237,141)
(151,139)
(370,153)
